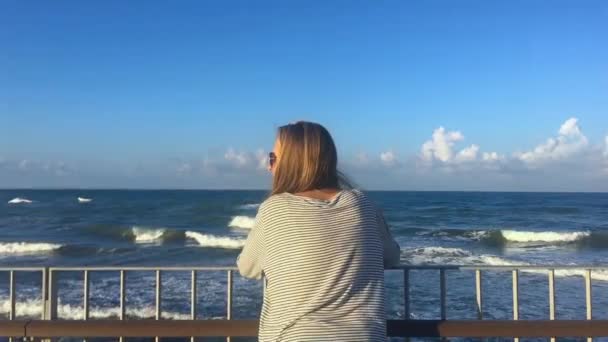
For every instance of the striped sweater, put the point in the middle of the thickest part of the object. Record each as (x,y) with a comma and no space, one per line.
(323,262)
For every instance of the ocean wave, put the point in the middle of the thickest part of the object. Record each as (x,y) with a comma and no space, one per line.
(208,240)
(507,236)
(147,235)
(27,247)
(33,308)
(143,234)
(557,237)
(137,234)
(19,200)
(84,200)
(249,206)
(435,255)
(246,222)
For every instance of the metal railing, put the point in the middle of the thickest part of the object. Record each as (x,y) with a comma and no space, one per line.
(49,288)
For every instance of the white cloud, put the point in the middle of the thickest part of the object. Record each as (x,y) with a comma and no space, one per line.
(441,149)
(569,142)
(440,146)
(388,158)
(237,159)
(491,157)
(262,159)
(606,146)
(467,154)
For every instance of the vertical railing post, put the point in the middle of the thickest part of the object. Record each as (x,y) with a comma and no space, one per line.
(123,309)
(588,297)
(11,295)
(85,295)
(442,290)
(442,297)
(158,299)
(552,297)
(229,300)
(52,293)
(406,293)
(44,293)
(192,299)
(122,300)
(478,294)
(515,299)
(552,294)
(406,296)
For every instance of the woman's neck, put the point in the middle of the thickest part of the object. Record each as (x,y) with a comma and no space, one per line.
(320,194)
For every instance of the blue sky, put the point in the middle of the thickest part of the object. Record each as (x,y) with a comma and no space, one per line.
(188,94)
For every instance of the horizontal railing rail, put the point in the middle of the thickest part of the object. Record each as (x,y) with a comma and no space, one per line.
(229,327)
(248,328)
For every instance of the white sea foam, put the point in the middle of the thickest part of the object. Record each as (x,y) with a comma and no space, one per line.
(19,200)
(246,222)
(513,236)
(457,256)
(207,240)
(550,237)
(147,235)
(250,206)
(26,247)
(33,308)
(84,200)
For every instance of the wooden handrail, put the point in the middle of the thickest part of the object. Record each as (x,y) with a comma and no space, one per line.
(12,328)
(242,328)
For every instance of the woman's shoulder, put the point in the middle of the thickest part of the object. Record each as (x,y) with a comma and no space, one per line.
(362,199)
(272,202)
(283,200)
(357,194)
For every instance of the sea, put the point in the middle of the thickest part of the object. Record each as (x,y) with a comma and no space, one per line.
(192,228)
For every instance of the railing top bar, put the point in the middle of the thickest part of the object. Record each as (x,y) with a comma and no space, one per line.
(232,268)
(21,269)
(500,267)
(144,268)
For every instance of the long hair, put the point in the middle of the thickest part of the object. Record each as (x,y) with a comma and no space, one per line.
(307,160)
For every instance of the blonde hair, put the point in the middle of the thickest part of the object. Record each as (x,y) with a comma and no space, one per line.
(307,160)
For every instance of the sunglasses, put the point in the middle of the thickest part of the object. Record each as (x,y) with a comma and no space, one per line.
(272,159)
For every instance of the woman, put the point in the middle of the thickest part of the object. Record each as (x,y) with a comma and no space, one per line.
(321,247)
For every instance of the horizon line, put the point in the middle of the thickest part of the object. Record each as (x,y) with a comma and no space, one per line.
(254,189)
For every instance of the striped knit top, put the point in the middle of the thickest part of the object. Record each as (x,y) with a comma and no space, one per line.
(323,262)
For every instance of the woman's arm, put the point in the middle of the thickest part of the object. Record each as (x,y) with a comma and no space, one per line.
(392,251)
(251,260)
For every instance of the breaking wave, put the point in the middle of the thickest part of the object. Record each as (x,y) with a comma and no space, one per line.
(208,240)
(506,236)
(456,256)
(138,234)
(19,200)
(8,248)
(150,235)
(33,308)
(249,206)
(246,222)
